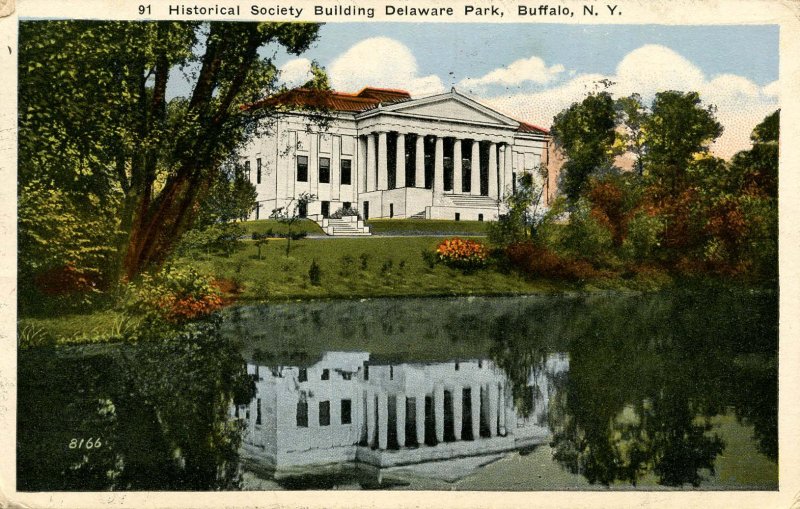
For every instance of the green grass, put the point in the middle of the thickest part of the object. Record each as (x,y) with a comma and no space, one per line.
(90,327)
(262,225)
(394,267)
(429,226)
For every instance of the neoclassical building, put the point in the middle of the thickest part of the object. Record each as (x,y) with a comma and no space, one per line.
(444,156)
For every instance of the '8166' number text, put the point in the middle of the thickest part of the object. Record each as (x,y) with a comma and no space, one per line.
(85,443)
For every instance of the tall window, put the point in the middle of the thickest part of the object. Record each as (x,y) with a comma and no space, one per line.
(247,170)
(324,413)
(346,411)
(302,414)
(302,168)
(258,411)
(258,170)
(324,170)
(346,171)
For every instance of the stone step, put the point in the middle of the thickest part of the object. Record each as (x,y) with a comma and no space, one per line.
(472,201)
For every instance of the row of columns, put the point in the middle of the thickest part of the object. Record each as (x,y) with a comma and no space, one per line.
(489,403)
(376,170)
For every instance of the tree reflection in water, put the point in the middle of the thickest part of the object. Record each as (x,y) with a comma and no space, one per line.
(159,408)
(645,378)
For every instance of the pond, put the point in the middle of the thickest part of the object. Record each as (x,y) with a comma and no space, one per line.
(675,389)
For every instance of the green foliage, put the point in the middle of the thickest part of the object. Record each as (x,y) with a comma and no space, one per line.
(66,244)
(232,197)
(643,236)
(678,127)
(585,237)
(291,214)
(525,211)
(175,294)
(222,238)
(585,132)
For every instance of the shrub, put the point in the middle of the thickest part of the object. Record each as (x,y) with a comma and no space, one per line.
(644,236)
(429,257)
(536,260)
(585,237)
(345,212)
(314,273)
(346,265)
(176,295)
(463,254)
(364,259)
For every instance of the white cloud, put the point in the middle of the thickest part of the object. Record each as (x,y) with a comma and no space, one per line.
(741,104)
(296,72)
(381,62)
(524,70)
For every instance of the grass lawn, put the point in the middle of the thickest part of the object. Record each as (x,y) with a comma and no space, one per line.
(355,267)
(262,225)
(426,226)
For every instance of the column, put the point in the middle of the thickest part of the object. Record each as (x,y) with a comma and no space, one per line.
(438,410)
(458,411)
(370,162)
(493,409)
(336,167)
(510,412)
(476,168)
(475,399)
(383,163)
(400,404)
(362,165)
(501,171)
(313,164)
(383,420)
(370,418)
(420,401)
(457,185)
(501,417)
(419,167)
(509,168)
(492,170)
(400,164)
(438,167)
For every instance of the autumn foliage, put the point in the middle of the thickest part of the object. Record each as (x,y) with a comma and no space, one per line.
(177,295)
(464,254)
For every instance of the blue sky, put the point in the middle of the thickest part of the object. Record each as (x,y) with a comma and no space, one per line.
(533,71)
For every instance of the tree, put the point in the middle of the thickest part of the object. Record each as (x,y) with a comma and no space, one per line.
(586,133)
(631,116)
(525,214)
(94,115)
(678,128)
(291,214)
(231,197)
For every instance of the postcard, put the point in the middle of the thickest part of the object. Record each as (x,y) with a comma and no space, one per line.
(399,254)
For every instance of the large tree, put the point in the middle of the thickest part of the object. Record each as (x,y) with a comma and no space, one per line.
(95,120)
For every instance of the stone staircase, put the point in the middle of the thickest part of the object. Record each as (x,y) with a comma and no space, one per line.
(346,226)
(418,215)
(472,201)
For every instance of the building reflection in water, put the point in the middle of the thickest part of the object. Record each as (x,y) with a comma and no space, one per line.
(349,408)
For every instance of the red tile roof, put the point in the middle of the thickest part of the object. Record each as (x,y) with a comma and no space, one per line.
(525,127)
(365,99)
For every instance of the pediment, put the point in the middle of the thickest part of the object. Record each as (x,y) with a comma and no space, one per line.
(451,106)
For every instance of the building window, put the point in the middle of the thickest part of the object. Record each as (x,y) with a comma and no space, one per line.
(346,172)
(258,411)
(303,377)
(347,204)
(324,413)
(326,374)
(346,375)
(258,170)
(326,208)
(324,170)
(513,182)
(258,210)
(391,210)
(247,412)
(247,170)
(480,217)
(302,414)
(458,216)
(347,411)
(302,168)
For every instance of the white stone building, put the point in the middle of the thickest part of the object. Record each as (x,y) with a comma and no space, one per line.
(389,156)
(348,408)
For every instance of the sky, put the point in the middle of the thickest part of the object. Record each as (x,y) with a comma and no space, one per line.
(532,71)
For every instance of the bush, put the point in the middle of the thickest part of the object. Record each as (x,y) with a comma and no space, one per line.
(535,260)
(429,257)
(585,237)
(644,236)
(345,212)
(314,273)
(462,254)
(176,295)
(364,259)
(346,265)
